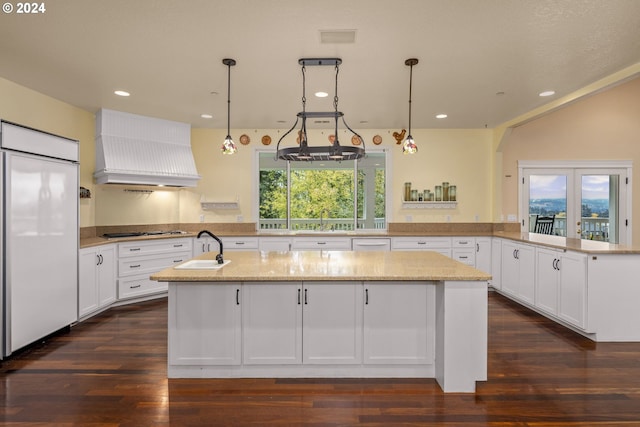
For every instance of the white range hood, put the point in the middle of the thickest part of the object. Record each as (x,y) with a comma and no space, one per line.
(133,149)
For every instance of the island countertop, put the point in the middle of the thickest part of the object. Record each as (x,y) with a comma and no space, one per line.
(327,265)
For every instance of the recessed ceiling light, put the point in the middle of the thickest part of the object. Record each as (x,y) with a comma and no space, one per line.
(441,116)
(547,93)
(321,94)
(121,93)
(206,116)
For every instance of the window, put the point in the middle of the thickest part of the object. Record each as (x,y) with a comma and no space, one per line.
(589,200)
(322,196)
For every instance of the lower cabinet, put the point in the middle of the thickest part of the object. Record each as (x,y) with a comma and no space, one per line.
(192,307)
(561,285)
(518,271)
(397,328)
(97,278)
(309,323)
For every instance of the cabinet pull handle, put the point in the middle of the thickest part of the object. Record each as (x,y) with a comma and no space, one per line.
(463,242)
(135,266)
(133,249)
(237,296)
(463,257)
(97,259)
(203,248)
(477,247)
(134,286)
(175,261)
(366,297)
(298,296)
(239,243)
(321,243)
(558,264)
(101,259)
(514,254)
(422,243)
(208,247)
(178,246)
(305,297)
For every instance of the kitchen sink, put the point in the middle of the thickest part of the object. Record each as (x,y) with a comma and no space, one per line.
(202,264)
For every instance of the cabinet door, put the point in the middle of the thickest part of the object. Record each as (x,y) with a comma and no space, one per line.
(527,273)
(547,280)
(107,276)
(510,268)
(88,296)
(205,244)
(332,319)
(496,263)
(274,244)
(483,254)
(395,328)
(205,327)
(272,323)
(573,288)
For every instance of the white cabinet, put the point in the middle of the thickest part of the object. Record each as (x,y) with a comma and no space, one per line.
(371,244)
(562,285)
(204,244)
(332,319)
(97,284)
(321,243)
(436,244)
(272,323)
(240,243)
(518,271)
(273,316)
(274,244)
(496,263)
(205,327)
(483,254)
(398,323)
(138,260)
(464,250)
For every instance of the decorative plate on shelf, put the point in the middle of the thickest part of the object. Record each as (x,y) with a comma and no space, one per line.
(244,139)
(377,139)
(355,140)
(266,140)
(331,138)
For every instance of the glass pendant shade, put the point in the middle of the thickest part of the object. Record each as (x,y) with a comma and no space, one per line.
(228,147)
(408,146)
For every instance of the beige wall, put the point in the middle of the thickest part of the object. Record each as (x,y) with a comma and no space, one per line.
(604,126)
(24,106)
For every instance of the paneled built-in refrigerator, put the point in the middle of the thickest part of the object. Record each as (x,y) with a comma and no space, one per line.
(39,218)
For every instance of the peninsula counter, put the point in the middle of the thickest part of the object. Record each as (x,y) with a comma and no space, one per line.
(330,314)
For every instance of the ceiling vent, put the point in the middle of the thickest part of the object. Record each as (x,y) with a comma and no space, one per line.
(139,150)
(337,36)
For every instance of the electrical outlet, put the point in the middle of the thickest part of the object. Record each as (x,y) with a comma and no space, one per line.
(408,218)
(512,218)
(477,218)
(239,218)
(202,218)
(448,218)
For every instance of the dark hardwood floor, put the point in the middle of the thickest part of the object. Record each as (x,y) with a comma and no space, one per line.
(111,371)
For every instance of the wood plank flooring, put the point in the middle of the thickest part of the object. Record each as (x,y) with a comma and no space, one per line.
(111,371)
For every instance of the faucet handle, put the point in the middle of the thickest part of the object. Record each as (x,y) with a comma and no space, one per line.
(219,259)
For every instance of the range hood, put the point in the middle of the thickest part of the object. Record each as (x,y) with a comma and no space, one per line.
(139,150)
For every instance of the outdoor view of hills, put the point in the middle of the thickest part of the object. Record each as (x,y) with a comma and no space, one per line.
(558,207)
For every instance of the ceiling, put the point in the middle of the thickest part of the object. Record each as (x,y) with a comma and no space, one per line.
(481,62)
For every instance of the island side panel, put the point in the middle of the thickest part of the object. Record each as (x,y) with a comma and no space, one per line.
(461,335)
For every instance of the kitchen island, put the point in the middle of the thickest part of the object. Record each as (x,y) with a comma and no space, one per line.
(329,314)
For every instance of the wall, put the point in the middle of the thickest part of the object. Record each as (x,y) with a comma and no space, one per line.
(604,126)
(26,107)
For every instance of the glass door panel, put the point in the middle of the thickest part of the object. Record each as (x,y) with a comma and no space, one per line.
(547,194)
(600,200)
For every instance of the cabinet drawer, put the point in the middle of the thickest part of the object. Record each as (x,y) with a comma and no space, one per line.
(149,264)
(139,286)
(240,243)
(326,243)
(464,242)
(420,243)
(362,244)
(465,256)
(162,246)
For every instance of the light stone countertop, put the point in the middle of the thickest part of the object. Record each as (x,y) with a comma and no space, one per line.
(328,266)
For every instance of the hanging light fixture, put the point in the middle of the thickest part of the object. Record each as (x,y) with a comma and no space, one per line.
(409,146)
(304,152)
(228,147)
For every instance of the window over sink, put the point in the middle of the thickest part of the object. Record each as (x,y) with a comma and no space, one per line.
(320,195)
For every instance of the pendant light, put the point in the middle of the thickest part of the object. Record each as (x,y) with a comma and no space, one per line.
(228,147)
(306,153)
(409,146)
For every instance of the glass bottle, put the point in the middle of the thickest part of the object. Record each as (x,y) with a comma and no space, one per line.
(452,193)
(445,191)
(438,193)
(407,191)
(414,195)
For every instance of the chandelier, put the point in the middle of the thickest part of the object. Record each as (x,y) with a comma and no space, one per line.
(335,151)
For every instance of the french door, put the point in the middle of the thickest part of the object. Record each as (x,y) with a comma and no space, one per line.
(589,200)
